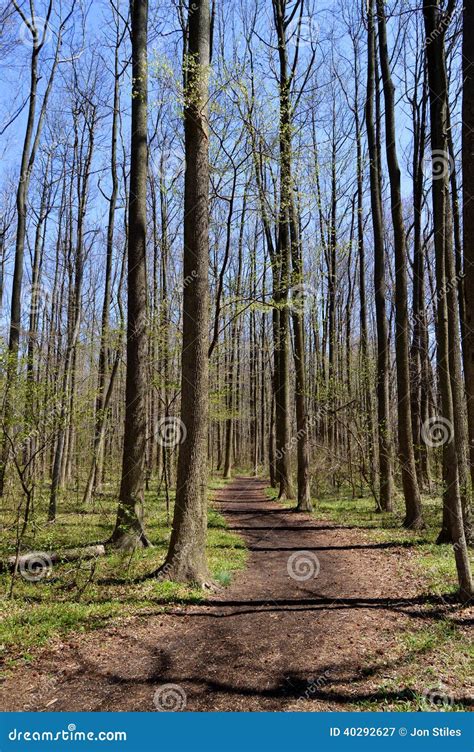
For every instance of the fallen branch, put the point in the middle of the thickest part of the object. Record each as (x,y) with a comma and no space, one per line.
(35,558)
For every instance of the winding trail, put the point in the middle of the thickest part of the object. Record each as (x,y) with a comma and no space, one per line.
(294,631)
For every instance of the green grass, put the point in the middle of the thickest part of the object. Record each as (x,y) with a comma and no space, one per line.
(438,654)
(427,661)
(80,596)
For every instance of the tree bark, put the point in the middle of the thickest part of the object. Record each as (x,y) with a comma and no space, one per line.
(302,425)
(435,25)
(129,532)
(282,267)
(186,558)
(413,517)
(383,398)
(97,468)
(468,214)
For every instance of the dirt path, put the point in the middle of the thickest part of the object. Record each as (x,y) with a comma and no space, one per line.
(271,641)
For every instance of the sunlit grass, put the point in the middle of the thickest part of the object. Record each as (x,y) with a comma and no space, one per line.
(85,595)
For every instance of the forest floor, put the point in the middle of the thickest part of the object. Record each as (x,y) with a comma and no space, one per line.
(360,633)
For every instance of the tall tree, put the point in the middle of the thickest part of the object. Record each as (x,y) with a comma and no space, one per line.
(364,338)
(413,517)
(288,252)
(129,532)
(468,212)
(383,371)
(420,364)
(96,472)
(186,559)
(38,29)
(447,323)
(302,425)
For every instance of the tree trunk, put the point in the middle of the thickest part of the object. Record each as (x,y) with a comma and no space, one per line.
(364,338)
(186,558)
(468,213)
(129,532)
(302,427)
(435,25)
(413,517)
(101,418)
(383,399)
(283,271)
(234,343)
(420,375)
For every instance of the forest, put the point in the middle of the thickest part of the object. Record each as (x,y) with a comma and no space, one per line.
(237,354)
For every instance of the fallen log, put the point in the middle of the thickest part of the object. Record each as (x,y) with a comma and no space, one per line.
(35,564)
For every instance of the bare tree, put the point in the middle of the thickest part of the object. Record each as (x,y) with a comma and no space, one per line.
(383,398)
(129,531)
(186,559)
(468,212)
(413,517)
(446,333)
